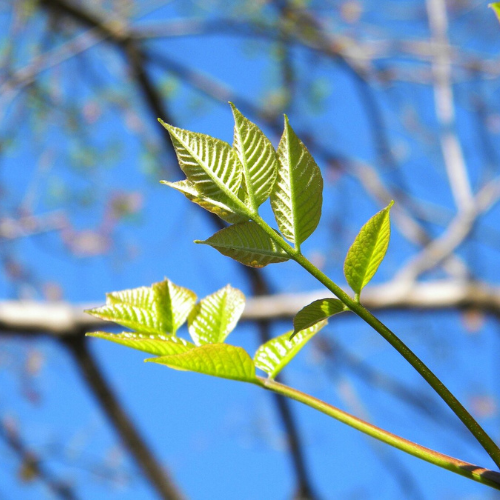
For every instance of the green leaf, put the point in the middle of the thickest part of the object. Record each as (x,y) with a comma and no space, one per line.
(496,8)
(160,345)
(210,164)
(218,360)
(257,155)
(298,192)
(215,317)
(314,312)
(247,243)
(368,250)
(159,309)
(188,189)
(274,355)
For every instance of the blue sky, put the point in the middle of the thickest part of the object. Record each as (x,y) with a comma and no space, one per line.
(222,439)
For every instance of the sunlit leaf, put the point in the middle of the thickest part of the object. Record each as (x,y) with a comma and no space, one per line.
(297,196)
(159,309)
(210,164)
(223,211)
(247,243)
(368,250)
(496,8)
(274,355)
(218,360)
(215,317)
(257,157)
(316,311)
(159,345)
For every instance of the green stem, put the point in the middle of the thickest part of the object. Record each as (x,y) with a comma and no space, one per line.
(477,431)
(479,474)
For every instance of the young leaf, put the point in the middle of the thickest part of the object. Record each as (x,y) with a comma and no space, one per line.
(314,312)
(159,345)
(298,192)
(210,164)
(368,250)
(215,317)
(218,360)
(247,243)
(223,211)
(258,158)
(496,8)
(159,309)
(274,355)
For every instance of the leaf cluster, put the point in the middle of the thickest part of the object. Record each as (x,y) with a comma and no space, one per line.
(156,313)
(233,181)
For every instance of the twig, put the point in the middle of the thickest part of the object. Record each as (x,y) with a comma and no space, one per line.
(30,460)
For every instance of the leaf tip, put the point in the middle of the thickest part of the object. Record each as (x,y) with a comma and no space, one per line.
(391,204)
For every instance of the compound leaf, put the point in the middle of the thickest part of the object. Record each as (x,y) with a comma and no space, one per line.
(274,355)
(210,164)
(316,311)
(258,158)
(297,196)
(247,243)
(215,317)
(218,360)
(159,345)
(188,189)
(368,250)
(159,309)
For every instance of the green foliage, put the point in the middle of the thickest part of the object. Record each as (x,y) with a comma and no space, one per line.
(496,8)
(233,182)
(218,360)
(247,243)
(316,311)
(215,317)
(368,250)
(188,189)
(159,345)
(157,310)
(298,194)
(275,354)
(257,155)
(211,165)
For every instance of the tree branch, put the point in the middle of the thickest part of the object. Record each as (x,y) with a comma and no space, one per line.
(156,474)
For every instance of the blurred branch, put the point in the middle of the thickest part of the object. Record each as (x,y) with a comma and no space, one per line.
(390,461)
(61,319)
(119,34)
(31,466)
(443,95)
(137,59)
(454,235)
(157,474)
(10,87)
(29,225)
(417,399)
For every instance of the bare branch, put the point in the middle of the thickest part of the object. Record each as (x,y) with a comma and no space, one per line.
(157,475)
(445,110)
(34,465)
(61,319)
(456,233)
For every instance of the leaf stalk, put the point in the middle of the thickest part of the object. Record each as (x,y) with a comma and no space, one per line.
(468,420)
(481,475)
